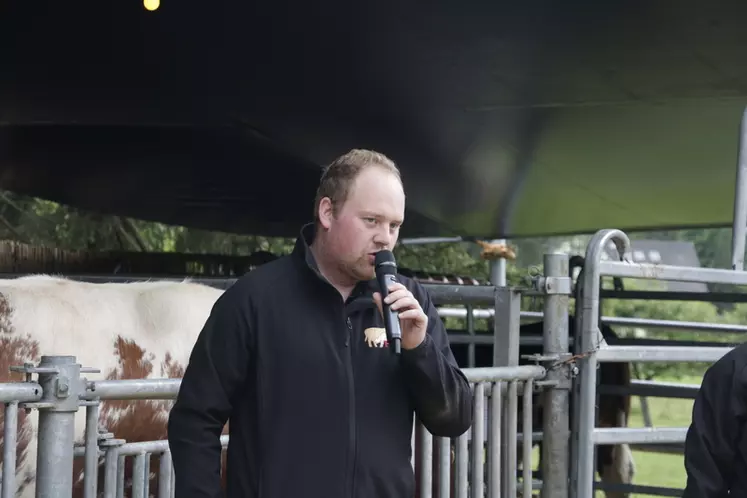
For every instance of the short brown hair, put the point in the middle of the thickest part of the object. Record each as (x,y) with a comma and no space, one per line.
(339,175)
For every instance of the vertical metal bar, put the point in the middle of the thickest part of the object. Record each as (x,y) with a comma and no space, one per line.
(412,441)
(121,462)
(506,327)
(138,476)
(506,353)
(471,332)
(146,474)
(555,423)
(740,200)
(425,462)
(509,442)
(91,458)
(462,465)
(494,441)
(59,377)
(9,450)
(591,340)
(173,486)
(444,467)
(498,269)
(478,441)
(111,468)
(526,461)
(164,475)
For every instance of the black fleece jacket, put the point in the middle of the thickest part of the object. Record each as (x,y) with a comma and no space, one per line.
(315,410)
(716,442)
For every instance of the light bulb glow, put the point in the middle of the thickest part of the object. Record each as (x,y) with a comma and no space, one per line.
(151,4)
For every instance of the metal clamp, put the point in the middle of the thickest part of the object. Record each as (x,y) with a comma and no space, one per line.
(554,285)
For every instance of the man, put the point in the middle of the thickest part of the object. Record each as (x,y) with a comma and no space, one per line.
(292,354)
(716,442)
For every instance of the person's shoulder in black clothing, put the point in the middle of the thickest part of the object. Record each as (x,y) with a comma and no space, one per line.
(718,418)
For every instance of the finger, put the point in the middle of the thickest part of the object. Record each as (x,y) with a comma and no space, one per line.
(413,314)
(396,286)
(396,295)
(406,303)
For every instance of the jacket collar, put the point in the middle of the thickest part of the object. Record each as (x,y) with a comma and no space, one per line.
(303,255)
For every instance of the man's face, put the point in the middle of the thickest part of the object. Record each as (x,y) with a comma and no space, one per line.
(367,222)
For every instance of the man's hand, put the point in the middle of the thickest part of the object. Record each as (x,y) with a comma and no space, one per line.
(412,318)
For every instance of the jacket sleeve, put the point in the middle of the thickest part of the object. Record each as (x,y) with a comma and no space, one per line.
(710,444)
(217,368)
(441,393)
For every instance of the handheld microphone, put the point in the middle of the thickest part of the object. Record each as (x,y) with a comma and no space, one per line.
(386,273)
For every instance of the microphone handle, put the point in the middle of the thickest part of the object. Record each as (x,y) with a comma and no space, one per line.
(391,318)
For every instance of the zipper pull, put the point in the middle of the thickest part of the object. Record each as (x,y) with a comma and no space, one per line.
(350,328)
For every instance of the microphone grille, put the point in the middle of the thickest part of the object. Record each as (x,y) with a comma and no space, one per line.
(385,257)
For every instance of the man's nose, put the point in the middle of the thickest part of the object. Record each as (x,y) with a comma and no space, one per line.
(383,239)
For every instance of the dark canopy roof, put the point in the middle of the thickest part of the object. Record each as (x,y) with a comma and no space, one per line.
(506,118)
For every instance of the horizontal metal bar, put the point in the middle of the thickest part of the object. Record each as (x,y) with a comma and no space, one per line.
(652,389)
(620,435)
(637,489)
(704,297)
(614,354)
(610,320)
(672,273)
(461,294)
(134,389)
(494,374)
(23,392)
(162,446)
(664,448)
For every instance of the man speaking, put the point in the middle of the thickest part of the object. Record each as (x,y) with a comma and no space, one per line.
(295,354)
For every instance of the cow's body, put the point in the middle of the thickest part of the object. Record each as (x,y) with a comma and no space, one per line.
(127,330)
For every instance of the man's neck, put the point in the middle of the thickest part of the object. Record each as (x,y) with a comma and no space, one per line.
(343,285)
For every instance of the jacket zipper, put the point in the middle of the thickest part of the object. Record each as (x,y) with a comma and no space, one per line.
(351,405)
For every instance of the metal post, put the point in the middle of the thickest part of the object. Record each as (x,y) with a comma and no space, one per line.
(59,377)
(498,269)
(61,385)
(557,286)
(740,200)
(506,354)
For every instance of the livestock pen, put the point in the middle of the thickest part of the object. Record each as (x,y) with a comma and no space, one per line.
(474,470)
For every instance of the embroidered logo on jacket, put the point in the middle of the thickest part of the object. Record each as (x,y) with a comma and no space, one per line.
(375,337)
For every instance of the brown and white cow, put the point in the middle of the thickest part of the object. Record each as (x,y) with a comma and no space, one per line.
(134,330)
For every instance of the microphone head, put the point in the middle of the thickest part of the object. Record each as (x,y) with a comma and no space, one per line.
(385,259)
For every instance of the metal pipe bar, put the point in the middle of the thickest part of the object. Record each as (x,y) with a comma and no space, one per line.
(21,392)
(674,354)
(493,374)
(672,273)
(650,435)
(652,389)
(132,449)
(706,297)
(636,489)
(589,340)
(610,320)
(555,342)
(133,389)
(10,433)
(461,294)
(739,224)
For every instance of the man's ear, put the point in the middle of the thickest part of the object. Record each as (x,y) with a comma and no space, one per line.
(325,212)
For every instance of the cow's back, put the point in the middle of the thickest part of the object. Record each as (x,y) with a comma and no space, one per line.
(128,331)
